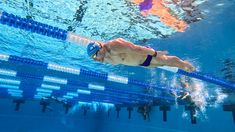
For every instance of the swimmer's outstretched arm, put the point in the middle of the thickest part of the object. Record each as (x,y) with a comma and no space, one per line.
(126,46)
(75,38)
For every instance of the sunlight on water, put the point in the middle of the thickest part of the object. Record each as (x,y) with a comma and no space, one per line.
(97,106)
(94,107)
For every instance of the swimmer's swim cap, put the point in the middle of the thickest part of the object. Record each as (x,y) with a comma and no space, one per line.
(92,48)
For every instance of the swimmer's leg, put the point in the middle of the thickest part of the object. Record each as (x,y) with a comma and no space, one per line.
(172,61)
(184,82)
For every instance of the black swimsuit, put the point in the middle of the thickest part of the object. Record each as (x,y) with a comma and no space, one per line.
(147,61)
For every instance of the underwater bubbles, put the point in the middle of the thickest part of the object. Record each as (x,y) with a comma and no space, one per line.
(220,97)
(199,94)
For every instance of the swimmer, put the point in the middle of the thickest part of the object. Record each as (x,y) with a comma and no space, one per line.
(184,95)
(184,83)
(120,51)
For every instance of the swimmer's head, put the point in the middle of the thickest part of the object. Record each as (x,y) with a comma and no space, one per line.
(93,48)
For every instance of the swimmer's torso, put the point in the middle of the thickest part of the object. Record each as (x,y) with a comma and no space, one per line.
(131,59)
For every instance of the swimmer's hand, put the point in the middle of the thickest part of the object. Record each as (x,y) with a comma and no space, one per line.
(161,53)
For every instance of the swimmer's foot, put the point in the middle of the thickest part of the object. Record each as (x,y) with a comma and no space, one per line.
(184,96)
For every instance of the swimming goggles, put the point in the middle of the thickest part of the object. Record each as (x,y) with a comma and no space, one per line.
(96,54)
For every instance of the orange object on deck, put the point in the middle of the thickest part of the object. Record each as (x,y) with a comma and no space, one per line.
(159,9)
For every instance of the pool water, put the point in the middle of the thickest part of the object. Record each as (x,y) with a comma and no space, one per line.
(208,43)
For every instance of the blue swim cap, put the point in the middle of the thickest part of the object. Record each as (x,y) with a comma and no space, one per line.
(92,48)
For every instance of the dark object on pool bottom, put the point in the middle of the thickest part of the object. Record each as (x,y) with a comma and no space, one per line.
(192,109)
(164,109)
(145,110)
(230,108)
(18,103)
(85,109)
(109,110)
(129,109)
(45,105)
(67,107)
(118,110)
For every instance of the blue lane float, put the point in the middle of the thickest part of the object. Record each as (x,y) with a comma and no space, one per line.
(19,94)
(32,26)
(201,76)
(66,88)
(93,96)
(115,78)
(77,71)
(47,30)
(208,78)
(70,101)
